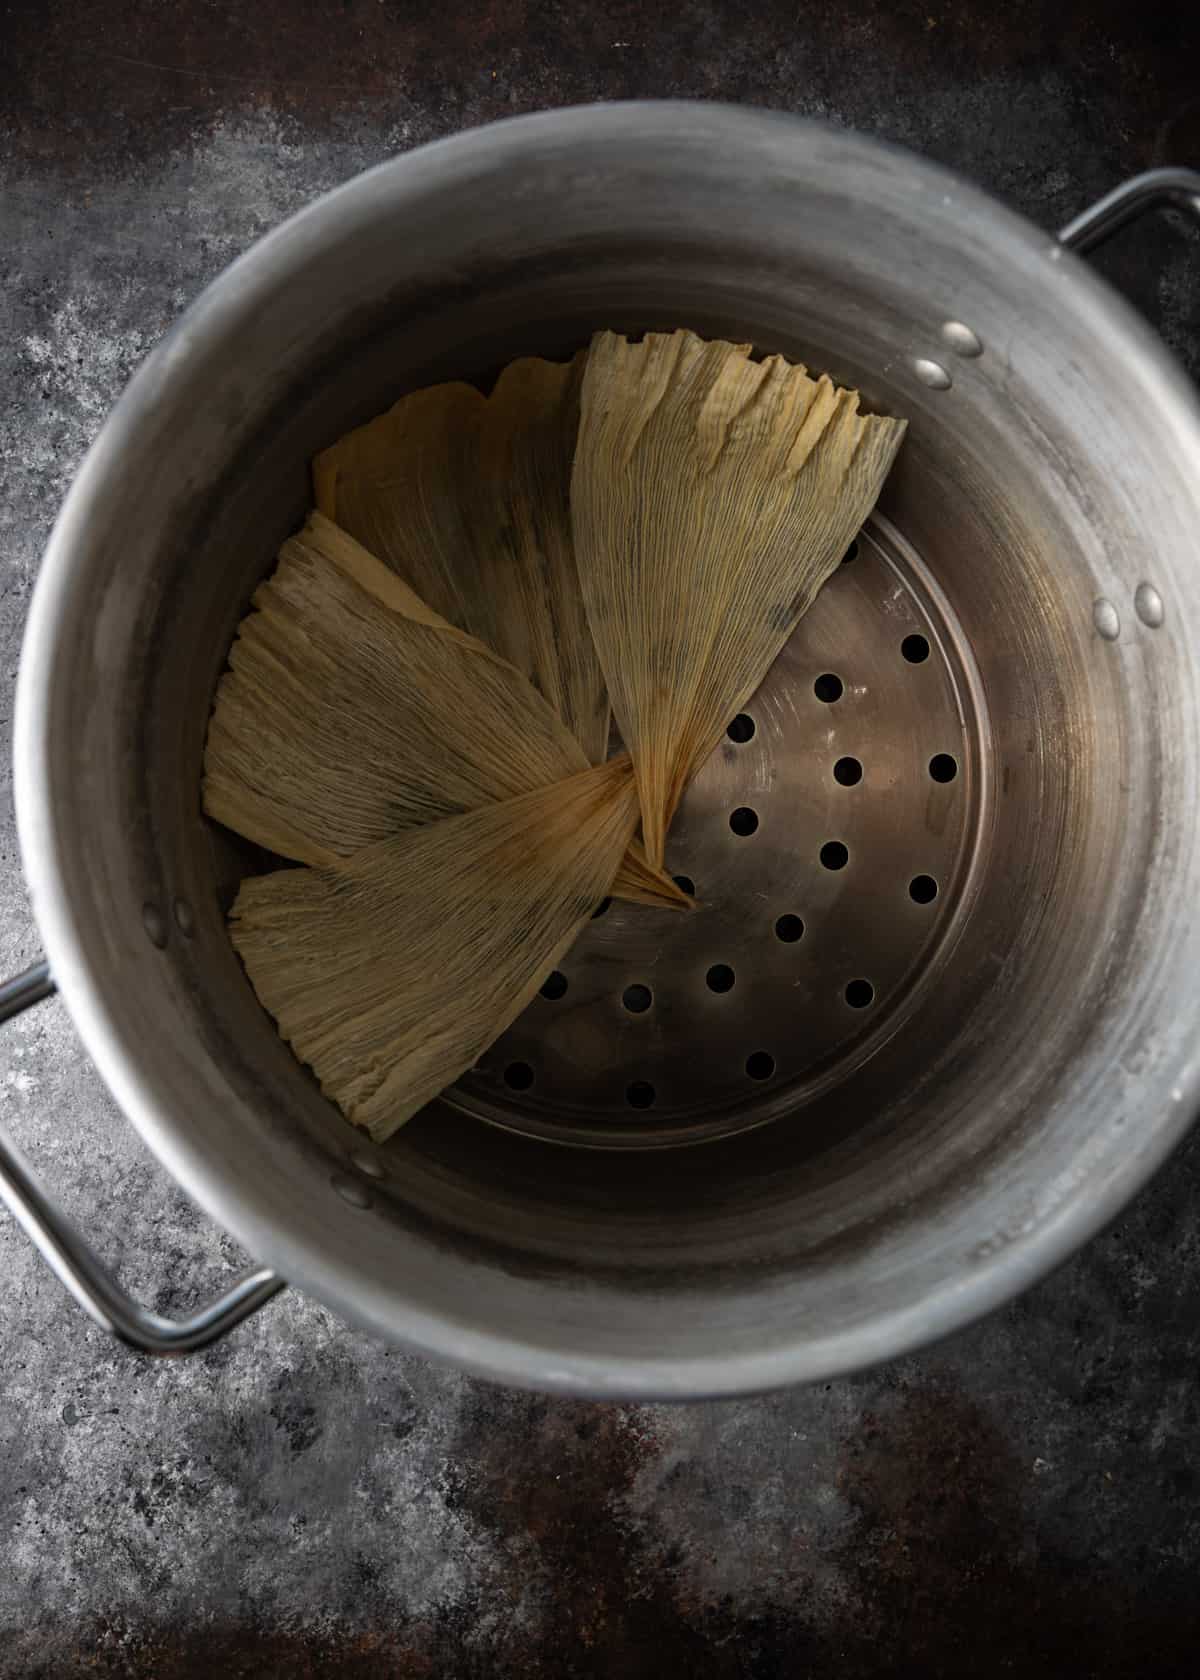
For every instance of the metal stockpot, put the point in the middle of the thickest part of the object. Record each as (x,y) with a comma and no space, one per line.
(960,917)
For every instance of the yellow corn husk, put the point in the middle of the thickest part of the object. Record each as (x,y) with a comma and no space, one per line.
(712,495)
(392,972)
(352,711)
(425,731)
(466,498)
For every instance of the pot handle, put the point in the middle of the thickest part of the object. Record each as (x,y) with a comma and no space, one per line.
(1157,189)
(67,1254)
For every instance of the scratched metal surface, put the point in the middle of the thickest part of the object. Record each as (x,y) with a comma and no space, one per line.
(300,1501)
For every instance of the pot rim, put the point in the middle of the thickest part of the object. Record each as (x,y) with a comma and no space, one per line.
(228,1195)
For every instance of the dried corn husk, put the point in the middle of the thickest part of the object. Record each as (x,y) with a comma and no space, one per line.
(466,498)
(712,496)
(391,973)
(456,833)
(352,711)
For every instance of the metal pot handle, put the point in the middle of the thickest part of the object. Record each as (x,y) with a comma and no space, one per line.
(88,1279)
(1157,189)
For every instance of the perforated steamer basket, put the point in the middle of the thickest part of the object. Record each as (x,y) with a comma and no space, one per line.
(937,1018)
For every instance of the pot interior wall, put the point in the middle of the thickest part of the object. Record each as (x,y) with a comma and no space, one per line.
(982,1101)
(945,1086)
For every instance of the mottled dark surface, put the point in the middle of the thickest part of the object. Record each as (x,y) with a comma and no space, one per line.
(299,1501)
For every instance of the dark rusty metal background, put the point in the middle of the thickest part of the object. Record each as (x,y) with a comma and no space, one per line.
(298,1501)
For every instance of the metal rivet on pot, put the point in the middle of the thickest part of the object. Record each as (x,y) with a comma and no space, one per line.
(367,1164)
(350,1190)
(961,339)
(184,919)
(1104,617)
(1148,605)
(155,926)
(932,374)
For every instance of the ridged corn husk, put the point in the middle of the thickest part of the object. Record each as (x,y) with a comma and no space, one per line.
(380,722)
(466,498)
(712,496)
(352,711)
(392,972)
